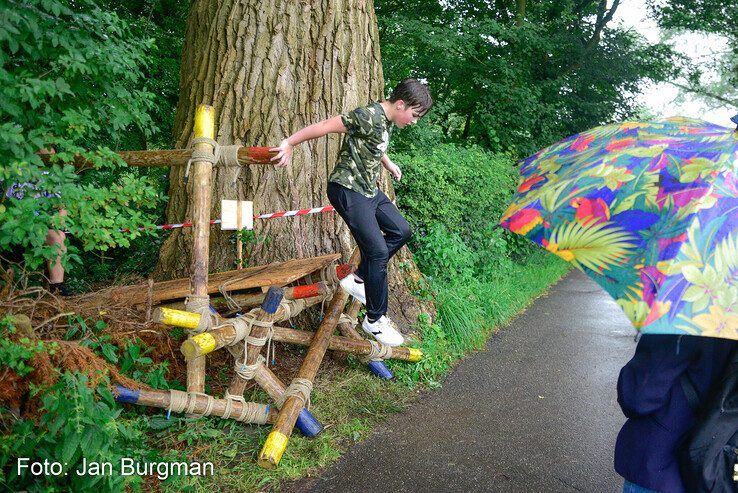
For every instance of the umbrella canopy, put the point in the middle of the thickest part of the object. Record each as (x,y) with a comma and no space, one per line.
(649,210)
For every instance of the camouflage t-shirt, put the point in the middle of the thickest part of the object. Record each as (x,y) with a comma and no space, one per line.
(359,161)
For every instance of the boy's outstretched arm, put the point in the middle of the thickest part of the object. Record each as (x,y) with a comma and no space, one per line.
(394,170)
(325,127)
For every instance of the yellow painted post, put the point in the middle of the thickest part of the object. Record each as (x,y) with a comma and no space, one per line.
(201,199)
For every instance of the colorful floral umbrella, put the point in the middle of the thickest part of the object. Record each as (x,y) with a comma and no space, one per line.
(650,212)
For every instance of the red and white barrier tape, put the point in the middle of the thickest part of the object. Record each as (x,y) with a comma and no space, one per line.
(299,212)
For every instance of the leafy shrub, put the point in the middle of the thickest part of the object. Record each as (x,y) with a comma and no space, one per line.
(16,352)
(77,423)
(464,188)
(454,196)
(70,78)
(444,256)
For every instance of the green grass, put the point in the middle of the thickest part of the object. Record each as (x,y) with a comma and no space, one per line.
(349,402)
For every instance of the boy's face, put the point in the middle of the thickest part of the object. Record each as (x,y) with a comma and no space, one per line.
(406,115)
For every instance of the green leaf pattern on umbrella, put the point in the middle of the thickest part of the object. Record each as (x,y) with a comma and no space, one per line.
(649,210)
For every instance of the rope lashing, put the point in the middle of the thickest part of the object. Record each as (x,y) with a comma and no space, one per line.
(247,372)
(229,155)
(380,352)
(345,319)
(300,387)
(328,275)
(243,325)
(200,304)
(185,402)
(203,155)
(223,288)
(229,159)
(251,412)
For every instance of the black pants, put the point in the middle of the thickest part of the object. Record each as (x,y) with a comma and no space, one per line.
(368,219)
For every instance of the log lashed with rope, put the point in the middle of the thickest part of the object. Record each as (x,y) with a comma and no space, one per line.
(248,300)
(298,392)
(192,403)
(274,274)
(360,347)
(202,158)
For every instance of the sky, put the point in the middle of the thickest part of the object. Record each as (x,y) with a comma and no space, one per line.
(664,99)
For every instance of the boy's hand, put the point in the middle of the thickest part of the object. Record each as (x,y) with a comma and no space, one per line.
(394,170)
(284,154)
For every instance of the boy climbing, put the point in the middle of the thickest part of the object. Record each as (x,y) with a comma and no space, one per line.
(375,223)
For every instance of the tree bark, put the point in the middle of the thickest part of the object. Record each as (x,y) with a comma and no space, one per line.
(270,68)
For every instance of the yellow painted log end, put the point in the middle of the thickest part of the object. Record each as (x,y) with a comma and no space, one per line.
(205,122)
(177,318)
(197,346)
(273,449)
(415,354)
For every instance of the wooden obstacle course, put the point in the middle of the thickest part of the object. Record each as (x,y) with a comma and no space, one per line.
(245,336)
(276,443)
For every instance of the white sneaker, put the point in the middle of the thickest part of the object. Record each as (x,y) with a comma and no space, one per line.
(383,330)
(354,288)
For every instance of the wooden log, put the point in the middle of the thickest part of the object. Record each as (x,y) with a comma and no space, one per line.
(173,157)
(273,386)
(276,443)
(263,376)
(200,200)
(250,300)
(220,407)
(360,347)
(274,274)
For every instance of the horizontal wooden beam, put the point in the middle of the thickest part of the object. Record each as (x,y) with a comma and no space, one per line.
(173,157)
(361,347)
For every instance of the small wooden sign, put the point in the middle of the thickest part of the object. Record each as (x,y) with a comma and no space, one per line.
(236,214)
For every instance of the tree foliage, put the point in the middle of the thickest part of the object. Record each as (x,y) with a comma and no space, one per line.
(516,76)
(706,16)
(71,78)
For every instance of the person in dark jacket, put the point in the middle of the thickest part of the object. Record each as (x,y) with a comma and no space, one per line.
(659,416)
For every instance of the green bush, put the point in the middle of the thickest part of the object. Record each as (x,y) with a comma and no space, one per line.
(454,196)
(444,256)
(464,188)
(71,77)
(77,423)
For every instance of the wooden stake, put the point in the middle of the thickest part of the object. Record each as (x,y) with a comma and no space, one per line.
(239,229)
(276,443)
(201,199)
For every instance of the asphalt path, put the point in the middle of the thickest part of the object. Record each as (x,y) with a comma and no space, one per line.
(534,412)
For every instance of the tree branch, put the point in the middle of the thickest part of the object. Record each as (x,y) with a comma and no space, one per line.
(704,93)
(603,17)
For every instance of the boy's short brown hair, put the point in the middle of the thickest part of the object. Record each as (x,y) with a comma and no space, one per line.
(414,93)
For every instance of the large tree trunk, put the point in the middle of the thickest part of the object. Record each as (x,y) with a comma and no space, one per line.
(269,68)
